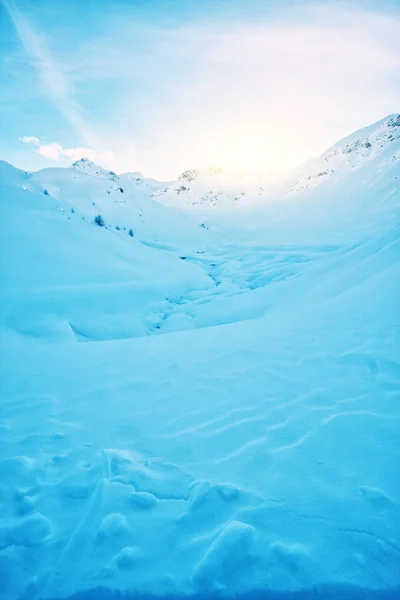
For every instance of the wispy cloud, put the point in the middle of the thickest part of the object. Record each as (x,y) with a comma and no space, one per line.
(51,76)
(56,152)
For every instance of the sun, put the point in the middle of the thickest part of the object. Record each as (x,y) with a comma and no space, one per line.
(248,157)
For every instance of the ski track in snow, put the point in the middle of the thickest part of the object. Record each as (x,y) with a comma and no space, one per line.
(231,421)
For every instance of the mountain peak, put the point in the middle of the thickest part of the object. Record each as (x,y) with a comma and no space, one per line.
(85,165)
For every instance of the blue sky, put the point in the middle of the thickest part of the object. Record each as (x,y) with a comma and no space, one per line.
(165,85)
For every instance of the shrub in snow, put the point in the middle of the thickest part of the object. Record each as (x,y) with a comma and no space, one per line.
(130,232)
(73,211)
(99,220)
(118,228)
(45,192)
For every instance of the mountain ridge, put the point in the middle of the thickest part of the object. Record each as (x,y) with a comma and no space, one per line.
(218,188)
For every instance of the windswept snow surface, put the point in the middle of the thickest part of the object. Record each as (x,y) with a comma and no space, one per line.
(210,407)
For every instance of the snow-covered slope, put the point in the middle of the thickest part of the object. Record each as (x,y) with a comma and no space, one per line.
(62,272)
(212,188)
(145,184)
(377,145)
(231,423)
(123,202)
(84,165)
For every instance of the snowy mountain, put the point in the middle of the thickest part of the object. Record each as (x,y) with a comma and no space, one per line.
(84,165)
(146,184)
(208,407)
(86,190)
(213,188)
(377,145)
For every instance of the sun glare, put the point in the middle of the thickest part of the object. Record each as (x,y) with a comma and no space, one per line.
(248,161)
(241,156)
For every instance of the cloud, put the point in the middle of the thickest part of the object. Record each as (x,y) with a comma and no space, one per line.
(29,139)
(56,152)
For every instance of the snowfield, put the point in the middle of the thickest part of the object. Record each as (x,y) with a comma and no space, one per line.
(207,405)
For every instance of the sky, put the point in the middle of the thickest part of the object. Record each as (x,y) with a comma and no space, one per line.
(161,86)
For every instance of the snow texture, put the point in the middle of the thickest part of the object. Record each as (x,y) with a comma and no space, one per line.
(209,408)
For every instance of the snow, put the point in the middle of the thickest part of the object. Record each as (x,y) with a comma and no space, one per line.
(215,188)
(202,410)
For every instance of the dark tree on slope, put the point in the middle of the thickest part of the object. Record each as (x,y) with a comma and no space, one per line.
(99,220)
(130,232)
